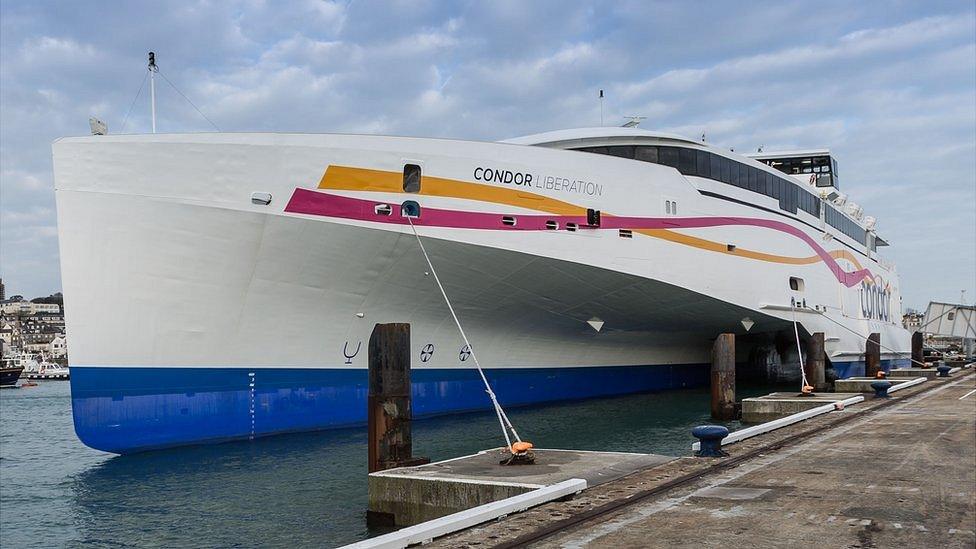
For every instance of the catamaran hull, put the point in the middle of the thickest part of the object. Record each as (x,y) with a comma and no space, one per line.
(197,315)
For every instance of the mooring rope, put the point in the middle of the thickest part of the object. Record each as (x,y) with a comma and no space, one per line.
(862,336)
(799,351)
(503,420)
(145,77)
(172,85)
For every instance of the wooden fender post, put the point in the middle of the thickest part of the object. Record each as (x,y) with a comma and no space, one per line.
(389,408)
(872,355)
(816,362)
(723,377)
(918,359)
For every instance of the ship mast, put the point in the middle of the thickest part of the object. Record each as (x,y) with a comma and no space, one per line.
(153,69)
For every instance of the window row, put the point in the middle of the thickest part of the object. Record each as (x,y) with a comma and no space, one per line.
(844,224)
(700,163)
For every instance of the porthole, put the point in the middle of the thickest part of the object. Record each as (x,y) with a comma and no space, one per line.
(796,284)
(411,178)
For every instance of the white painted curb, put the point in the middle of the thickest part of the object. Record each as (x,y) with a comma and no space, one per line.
(427,531)
(912,383)
(750,432)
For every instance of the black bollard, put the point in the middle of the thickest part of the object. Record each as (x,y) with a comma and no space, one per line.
(881,387)
(710,440)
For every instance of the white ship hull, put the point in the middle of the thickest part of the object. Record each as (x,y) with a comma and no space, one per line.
(194,314)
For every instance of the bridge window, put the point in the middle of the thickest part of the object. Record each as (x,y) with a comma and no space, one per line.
(668,156)
(687,163)
(646,154)
(622,151)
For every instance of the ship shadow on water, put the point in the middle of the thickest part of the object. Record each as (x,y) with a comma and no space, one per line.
(310,488)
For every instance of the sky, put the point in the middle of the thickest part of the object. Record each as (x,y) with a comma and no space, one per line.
(889,87)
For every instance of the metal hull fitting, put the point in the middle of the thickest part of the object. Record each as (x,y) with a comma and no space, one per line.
(194,315)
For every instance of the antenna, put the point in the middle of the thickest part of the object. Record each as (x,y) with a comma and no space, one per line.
(633,122)
(601,107)
(153,69)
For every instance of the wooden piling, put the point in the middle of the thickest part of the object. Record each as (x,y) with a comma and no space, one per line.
(389,410)
(872,355)
(918,358)
(723,377)
(816,362)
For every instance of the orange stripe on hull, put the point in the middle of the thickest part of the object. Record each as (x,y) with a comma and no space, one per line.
(362,179)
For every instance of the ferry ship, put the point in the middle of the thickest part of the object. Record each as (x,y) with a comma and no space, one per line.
(224,286)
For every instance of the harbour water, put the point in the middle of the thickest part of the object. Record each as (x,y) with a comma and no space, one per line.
(288,490)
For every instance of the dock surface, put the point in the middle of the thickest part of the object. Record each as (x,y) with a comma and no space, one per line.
(879,475)
(411,495)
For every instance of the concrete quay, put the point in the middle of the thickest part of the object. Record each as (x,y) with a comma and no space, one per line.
(777,405)
(411,495)
(863,384)
(928,373)
(885,473)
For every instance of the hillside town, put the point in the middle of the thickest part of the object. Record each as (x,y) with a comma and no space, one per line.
(33,327)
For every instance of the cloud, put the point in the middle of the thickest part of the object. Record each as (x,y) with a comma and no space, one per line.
(890,87)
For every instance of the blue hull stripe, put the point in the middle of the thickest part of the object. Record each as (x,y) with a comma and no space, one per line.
(856,368)
(125,410)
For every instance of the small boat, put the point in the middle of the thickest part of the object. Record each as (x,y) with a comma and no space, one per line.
(45,370)
(9,375)
(12,367)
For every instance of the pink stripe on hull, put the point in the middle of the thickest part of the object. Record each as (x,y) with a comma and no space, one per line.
(305,201)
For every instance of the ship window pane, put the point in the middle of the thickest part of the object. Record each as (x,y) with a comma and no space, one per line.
(726,170)
(646,154)
(623,151)
(716,162)
(704,164)
(594,150)
(411,178)
(668,156)
(735,173)
(686,162)
(753,178)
